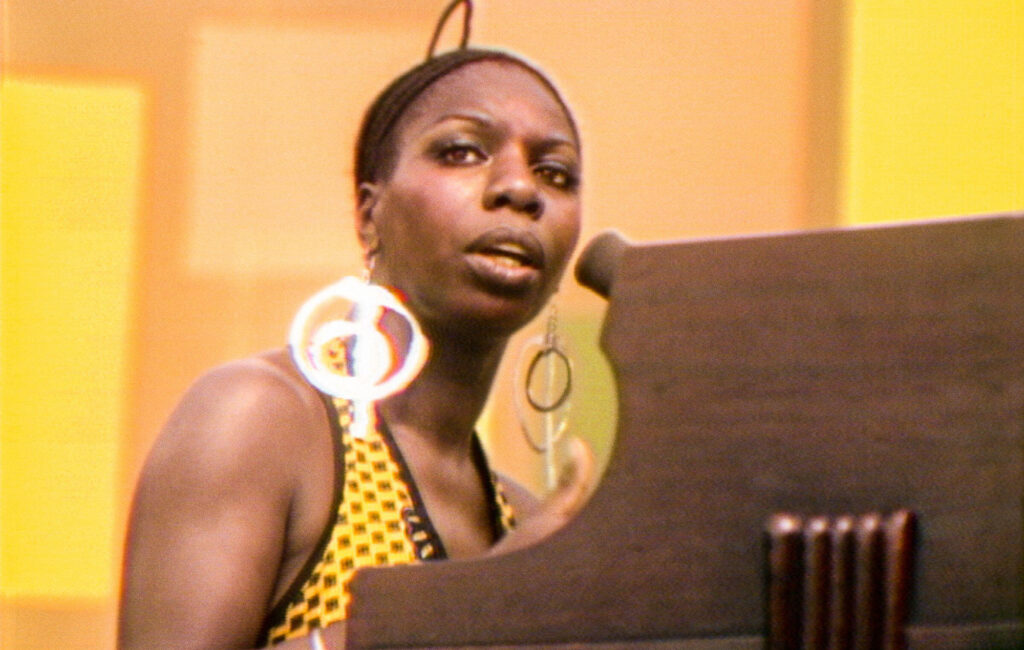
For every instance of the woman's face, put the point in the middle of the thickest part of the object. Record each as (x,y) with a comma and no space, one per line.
(480,214)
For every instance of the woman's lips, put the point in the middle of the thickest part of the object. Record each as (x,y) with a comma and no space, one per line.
(507,258)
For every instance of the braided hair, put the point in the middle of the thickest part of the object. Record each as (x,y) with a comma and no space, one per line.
(376,145)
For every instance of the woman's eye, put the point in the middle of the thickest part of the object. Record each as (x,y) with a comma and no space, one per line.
(460,154)
(557,176)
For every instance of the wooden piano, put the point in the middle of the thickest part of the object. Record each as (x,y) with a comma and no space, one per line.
(819,446)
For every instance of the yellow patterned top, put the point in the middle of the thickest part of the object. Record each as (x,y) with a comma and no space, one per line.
(380,521)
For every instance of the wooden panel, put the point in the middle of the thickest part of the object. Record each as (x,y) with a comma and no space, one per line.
(821,373)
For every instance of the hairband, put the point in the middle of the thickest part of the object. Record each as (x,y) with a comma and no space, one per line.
(467,16)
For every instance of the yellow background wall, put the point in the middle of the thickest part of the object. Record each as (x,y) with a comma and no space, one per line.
(935,109)
(176,182)
(72,163)
(71,178)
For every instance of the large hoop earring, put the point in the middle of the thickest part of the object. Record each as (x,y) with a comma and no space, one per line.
(339,345)
(542,394)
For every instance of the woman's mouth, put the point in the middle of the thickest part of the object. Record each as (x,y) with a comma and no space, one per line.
(507,259)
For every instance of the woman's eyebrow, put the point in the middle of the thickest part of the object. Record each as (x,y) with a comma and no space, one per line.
(557,140)
(481,119)
(550,141)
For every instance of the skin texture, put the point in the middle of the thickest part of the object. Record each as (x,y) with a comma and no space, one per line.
(469,165)
(474,227)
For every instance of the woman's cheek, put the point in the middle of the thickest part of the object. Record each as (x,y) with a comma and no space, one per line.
(569,234)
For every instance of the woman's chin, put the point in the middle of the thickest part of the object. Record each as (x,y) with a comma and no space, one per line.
(489,316)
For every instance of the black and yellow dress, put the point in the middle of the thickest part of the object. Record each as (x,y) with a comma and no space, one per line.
(380,520)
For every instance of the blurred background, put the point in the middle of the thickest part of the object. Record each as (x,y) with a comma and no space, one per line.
(177,174)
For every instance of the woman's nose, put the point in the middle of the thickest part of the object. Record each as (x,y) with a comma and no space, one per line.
(513,185)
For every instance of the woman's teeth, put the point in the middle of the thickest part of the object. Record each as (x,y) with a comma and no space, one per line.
(506,259)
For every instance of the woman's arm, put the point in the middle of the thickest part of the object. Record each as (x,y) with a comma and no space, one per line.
(538,519)
(216,509)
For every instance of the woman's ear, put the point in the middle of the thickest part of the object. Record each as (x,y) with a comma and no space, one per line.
(366,225)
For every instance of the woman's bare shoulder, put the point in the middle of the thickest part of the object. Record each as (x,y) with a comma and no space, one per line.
(269,375)
(241,412)
(237,464)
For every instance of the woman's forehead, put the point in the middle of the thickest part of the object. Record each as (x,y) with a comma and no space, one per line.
(495,90)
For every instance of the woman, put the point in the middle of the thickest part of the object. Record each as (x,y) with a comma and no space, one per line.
(243,529)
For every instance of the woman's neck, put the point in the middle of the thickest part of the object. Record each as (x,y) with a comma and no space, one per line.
(441,406)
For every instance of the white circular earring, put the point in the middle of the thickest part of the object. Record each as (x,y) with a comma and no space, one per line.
(338,344)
